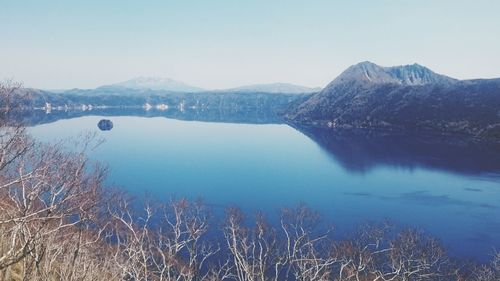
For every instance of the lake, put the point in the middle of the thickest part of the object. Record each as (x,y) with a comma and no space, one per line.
(449,188)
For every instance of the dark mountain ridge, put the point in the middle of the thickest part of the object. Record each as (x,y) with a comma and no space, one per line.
(368,72)
(410,97)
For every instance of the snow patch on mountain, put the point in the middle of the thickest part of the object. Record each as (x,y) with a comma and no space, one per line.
(157,83)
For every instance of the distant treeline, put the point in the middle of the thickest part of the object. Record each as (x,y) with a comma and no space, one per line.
(241,107)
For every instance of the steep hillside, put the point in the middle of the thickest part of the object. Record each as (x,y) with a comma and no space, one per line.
(408,97)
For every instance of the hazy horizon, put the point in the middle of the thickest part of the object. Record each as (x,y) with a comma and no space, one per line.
(225,44)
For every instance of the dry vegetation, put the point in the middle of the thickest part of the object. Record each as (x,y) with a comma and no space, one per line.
(57,223)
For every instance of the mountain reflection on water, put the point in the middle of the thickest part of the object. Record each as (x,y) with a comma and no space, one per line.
(362,150)
(357,150)
(223,115)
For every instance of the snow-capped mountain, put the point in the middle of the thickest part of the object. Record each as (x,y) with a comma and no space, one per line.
(157,83)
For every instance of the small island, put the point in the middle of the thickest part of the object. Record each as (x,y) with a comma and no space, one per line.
(105,125)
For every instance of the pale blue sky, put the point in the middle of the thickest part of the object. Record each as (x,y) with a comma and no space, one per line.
(225,43)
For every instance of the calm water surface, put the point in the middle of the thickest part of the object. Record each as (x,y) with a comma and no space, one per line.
(266,167)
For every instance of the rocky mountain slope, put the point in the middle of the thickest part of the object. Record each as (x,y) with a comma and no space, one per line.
(410,97)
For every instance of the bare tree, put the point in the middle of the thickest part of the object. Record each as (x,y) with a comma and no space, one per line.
(305,251)
(485,272)
(13,141)
(161,243)
(47,195)
(254,252)
(45,191)
(10,99)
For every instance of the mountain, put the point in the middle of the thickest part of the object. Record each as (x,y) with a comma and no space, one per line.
(274,88)
(368,72)
(409,97)
(156,83)
(166,84)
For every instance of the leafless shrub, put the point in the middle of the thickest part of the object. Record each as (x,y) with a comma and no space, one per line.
(359,257)
(485,272)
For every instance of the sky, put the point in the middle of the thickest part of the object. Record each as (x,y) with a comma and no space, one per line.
(227,43)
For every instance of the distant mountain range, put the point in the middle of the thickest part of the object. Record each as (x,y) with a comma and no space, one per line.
(167,84)
(409,97)
(275,88)
(156,83)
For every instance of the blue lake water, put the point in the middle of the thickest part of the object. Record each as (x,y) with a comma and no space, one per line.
(452,193)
